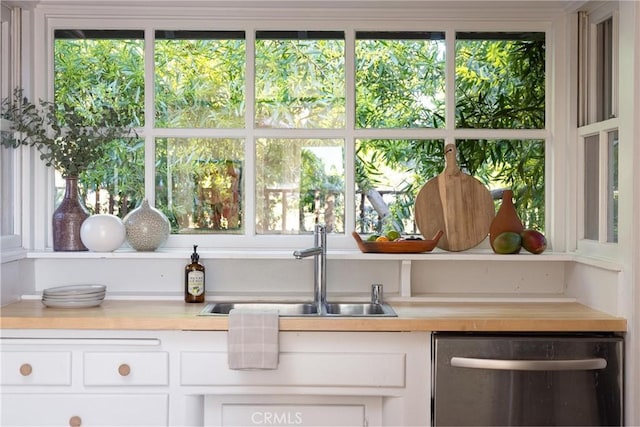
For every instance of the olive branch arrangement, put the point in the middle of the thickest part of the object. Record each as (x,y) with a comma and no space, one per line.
(69,139)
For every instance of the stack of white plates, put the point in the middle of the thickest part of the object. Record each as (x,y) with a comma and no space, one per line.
(74,296)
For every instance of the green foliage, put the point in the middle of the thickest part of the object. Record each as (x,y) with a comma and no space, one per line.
(90,72)
(400,83)
(320,190)
(200,83)
(500,84)
(67,139)
(507,164)
(198,183)
(300,84)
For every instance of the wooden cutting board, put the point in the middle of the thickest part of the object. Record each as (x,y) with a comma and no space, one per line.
(456,203)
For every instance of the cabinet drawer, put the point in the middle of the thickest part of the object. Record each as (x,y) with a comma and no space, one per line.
(36,368)
(84,410)
(139,368)
(299,369)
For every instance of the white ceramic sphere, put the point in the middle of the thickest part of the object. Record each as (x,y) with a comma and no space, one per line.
(103,233)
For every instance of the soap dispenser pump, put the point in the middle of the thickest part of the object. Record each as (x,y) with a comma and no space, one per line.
(194,279)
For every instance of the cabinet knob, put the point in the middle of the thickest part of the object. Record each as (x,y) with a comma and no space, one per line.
(75,421)
(124,370)
(26,369)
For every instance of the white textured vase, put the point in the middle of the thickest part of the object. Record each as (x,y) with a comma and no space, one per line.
(102,233)
(147,228)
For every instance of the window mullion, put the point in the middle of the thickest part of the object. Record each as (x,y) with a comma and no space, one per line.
(603,182)
(450,86)
(249,184)
(149,115)
(583,69)
(592,74)
(350,120)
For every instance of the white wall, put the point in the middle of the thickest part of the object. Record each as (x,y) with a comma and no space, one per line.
(629,279)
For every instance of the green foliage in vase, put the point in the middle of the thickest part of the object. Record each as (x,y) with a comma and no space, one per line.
(68,141)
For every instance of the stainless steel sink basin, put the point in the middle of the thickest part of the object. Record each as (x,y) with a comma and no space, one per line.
(359,309)
(284,308)
(351,309)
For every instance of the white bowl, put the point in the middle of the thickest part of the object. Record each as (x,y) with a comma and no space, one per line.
(103,233)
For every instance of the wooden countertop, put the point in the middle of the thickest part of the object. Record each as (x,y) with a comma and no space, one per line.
(412,316)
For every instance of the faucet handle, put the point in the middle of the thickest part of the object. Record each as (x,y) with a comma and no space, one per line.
(376,293)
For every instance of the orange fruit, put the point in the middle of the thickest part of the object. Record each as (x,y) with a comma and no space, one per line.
(382,239)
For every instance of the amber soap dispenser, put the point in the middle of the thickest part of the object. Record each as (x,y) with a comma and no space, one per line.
(194,279)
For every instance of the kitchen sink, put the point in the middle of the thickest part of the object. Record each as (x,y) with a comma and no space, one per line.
(359,309)
(289,309)
(284,308)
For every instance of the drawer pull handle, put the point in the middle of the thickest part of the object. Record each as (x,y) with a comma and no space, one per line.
(124,370)
(26,369)
(75,421)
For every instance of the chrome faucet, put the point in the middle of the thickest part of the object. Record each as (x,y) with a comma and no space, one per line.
(319,252)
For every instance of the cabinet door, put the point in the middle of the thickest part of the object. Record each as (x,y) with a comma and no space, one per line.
(84,410)
(266,410)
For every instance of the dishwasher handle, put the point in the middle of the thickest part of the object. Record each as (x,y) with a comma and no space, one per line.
(529,365)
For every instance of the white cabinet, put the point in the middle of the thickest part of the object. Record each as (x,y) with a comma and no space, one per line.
(77,379)
(322,379)
(182,378)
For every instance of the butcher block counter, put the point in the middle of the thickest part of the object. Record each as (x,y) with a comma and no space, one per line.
(412,316)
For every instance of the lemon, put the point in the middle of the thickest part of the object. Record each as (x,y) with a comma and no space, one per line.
(382,239)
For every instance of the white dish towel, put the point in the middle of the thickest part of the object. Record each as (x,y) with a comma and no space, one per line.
(252,339)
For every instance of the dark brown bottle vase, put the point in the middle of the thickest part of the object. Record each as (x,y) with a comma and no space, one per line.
(506,219)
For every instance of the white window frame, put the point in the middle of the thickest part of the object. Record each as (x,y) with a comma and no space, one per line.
(49,18)
(10,160)
(600,248)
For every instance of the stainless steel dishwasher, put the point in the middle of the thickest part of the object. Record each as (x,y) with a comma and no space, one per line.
(517,380)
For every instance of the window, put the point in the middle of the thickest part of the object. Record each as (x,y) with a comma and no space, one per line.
(400,80)
(400,83)
(598,126)
(199,79)
(299,80)
(267,132)
(93,67)
(299,84)
(500,80)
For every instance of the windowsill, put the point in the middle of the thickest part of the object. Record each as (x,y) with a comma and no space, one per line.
(355,255)
(594,261)
(179,253)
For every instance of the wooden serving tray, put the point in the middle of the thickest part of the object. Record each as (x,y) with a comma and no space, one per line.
(401,247)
